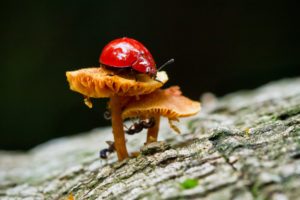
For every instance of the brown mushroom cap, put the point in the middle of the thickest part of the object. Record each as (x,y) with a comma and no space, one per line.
(168,103)
(100,82)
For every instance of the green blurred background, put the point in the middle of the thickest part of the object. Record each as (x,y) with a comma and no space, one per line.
(218,46)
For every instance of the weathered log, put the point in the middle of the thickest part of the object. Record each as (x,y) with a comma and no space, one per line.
(245,145)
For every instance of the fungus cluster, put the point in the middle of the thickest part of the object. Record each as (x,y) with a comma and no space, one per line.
(132,95)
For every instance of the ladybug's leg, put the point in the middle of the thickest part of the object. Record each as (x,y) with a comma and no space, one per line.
(118,71)
(132,72)
(135,77)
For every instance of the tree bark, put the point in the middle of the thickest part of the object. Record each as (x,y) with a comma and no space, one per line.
(245,145)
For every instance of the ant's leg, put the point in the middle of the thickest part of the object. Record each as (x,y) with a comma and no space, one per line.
(153,132)
(134,128)
(148,123)
(111,146)
(127,129)
(131,129)
(103,153)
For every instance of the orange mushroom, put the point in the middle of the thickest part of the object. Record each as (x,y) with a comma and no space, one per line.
(169,103)
(101,83)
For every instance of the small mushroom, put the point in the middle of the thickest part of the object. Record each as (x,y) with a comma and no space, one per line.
(101,83)
(169,103)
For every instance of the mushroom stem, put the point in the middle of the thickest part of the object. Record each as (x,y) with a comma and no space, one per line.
(117,126)
(153,132)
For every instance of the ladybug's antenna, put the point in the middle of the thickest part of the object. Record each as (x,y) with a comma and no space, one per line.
(166,63)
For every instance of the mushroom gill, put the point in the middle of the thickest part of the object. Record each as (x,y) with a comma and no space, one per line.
(169,103)
(101,83)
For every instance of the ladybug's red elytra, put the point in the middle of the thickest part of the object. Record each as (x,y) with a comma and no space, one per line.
(129,53)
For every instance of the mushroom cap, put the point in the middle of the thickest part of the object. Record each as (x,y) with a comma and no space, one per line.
(101,82)
(169,103)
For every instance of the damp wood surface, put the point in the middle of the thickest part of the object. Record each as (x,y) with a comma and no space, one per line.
(245,145)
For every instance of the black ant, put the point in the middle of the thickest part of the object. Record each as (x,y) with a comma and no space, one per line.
(140,125)
(104,152)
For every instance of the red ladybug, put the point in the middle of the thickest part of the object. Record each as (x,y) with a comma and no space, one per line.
(129,53)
